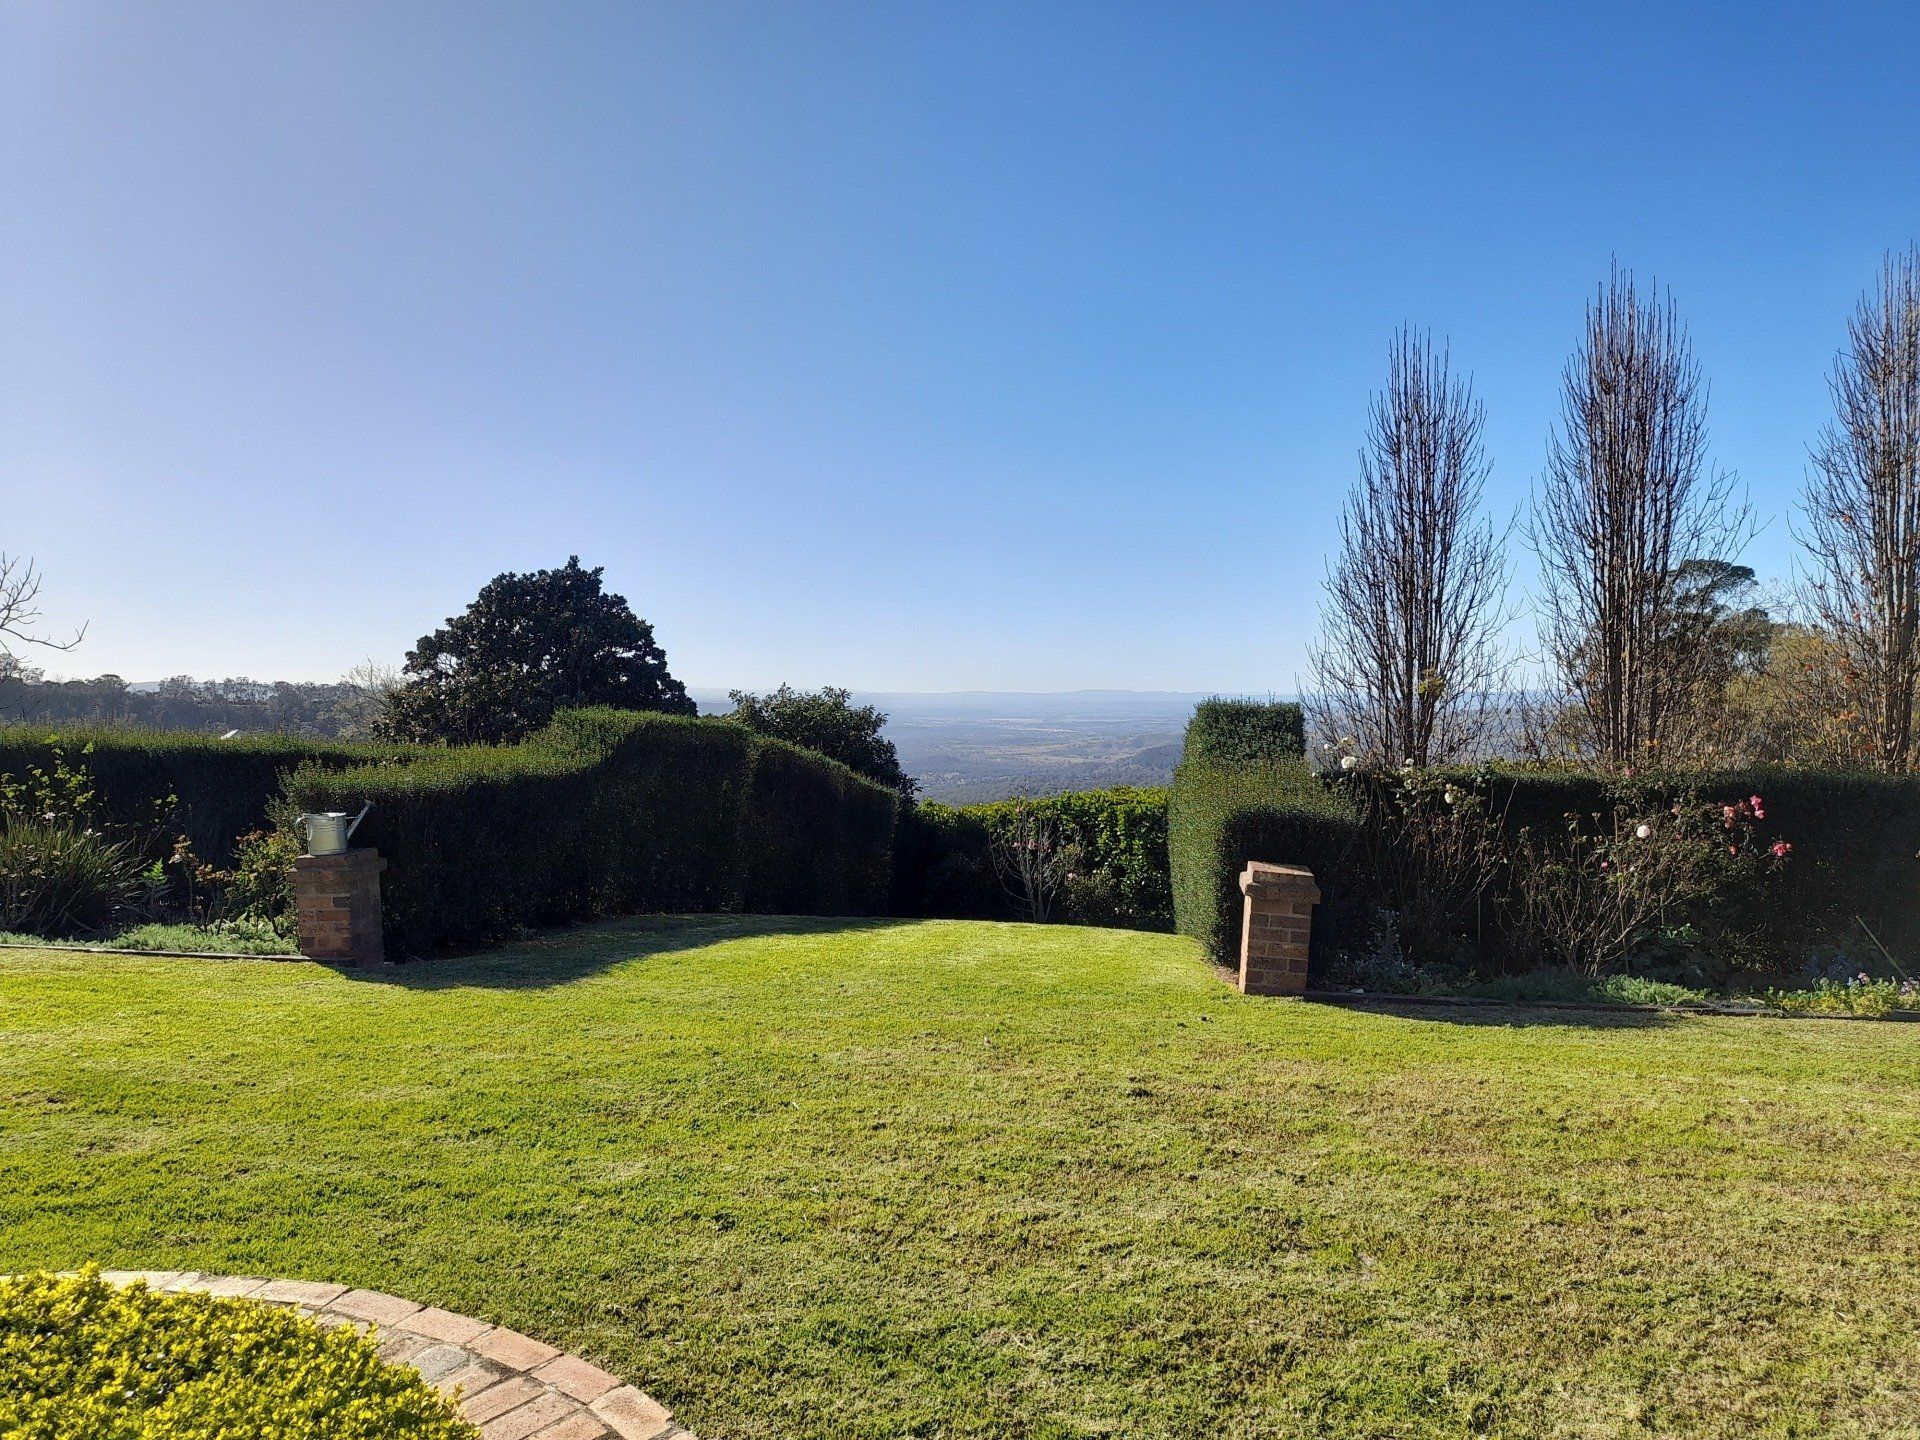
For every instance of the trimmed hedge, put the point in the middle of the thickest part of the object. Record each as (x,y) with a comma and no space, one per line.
(1220,817)
(1855,838)
(946,868)
(1246,732)
(611,811)
(223,787)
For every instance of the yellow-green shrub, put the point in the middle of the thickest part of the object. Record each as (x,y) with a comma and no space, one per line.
(81,1359)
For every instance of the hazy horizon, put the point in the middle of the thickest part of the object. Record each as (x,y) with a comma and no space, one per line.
(919,349)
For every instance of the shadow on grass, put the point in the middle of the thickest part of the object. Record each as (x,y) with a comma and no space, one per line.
(1510,1014)
(557,957)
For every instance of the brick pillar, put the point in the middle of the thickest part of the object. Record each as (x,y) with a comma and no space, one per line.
(337,900)
(1274,933)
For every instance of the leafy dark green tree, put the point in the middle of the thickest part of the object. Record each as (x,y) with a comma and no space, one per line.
(527,646)
(829,722)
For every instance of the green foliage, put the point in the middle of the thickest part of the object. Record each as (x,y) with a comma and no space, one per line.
(1849,877)
(259,888)
(240,936)
(1220,817)
(1574,987)
(942,865)
(161,784)
(81,1359)
(1246,732)
(1858,995)
(608,811)
(60,875)
(80,858)
(59,879)
(1378,971)
(828,722)
(528,647)
(1632,880)
(1120,840)
(279,707)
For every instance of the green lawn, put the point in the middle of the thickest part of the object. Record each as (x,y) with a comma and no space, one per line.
(812,1178)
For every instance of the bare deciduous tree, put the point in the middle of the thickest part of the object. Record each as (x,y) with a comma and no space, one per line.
(1408,655)
(20,607)
(367,687)
(1863,512)
(1627,500)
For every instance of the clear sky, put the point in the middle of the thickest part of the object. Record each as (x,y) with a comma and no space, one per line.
(902,346)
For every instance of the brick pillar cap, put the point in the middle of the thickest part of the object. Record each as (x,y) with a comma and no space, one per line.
(363,857)
(1264,879)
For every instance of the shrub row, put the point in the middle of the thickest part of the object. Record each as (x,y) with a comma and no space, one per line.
(1852,880)
(1855,863)
(216,790)
(945,864)
(607,812)
(1220,816)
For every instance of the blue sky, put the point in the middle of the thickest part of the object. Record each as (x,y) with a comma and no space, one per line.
(900,346)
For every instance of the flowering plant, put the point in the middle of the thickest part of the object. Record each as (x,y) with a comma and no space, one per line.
(1036,859)
(1619,882)
(1432,852)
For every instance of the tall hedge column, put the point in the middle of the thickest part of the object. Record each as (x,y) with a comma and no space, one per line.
(336,900)
(1275,929)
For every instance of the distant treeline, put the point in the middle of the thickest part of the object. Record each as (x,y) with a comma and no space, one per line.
(339,709)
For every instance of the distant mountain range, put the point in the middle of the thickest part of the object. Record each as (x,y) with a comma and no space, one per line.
(962,745)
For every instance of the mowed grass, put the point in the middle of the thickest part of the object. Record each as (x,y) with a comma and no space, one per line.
(814,1178)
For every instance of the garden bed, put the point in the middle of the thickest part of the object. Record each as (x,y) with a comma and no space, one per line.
(1728,1008)
(209,942)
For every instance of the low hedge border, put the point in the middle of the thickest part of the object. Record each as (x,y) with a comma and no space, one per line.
(507,1381)
(1729,1011)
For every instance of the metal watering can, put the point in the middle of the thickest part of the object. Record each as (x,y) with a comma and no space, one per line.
(328,832)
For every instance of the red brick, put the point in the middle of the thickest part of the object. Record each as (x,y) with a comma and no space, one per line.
(533,1416)
(513,1350)
(579,1426)
(633,1415)
(374,1306)
(576,1377)
(483,1405)
(443,1325)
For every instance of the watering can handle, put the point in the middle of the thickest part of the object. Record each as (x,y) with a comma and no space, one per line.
(358,818)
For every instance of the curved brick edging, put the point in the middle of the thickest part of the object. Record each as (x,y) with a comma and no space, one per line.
(512,1386)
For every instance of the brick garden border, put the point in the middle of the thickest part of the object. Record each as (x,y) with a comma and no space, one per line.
(512,1386)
